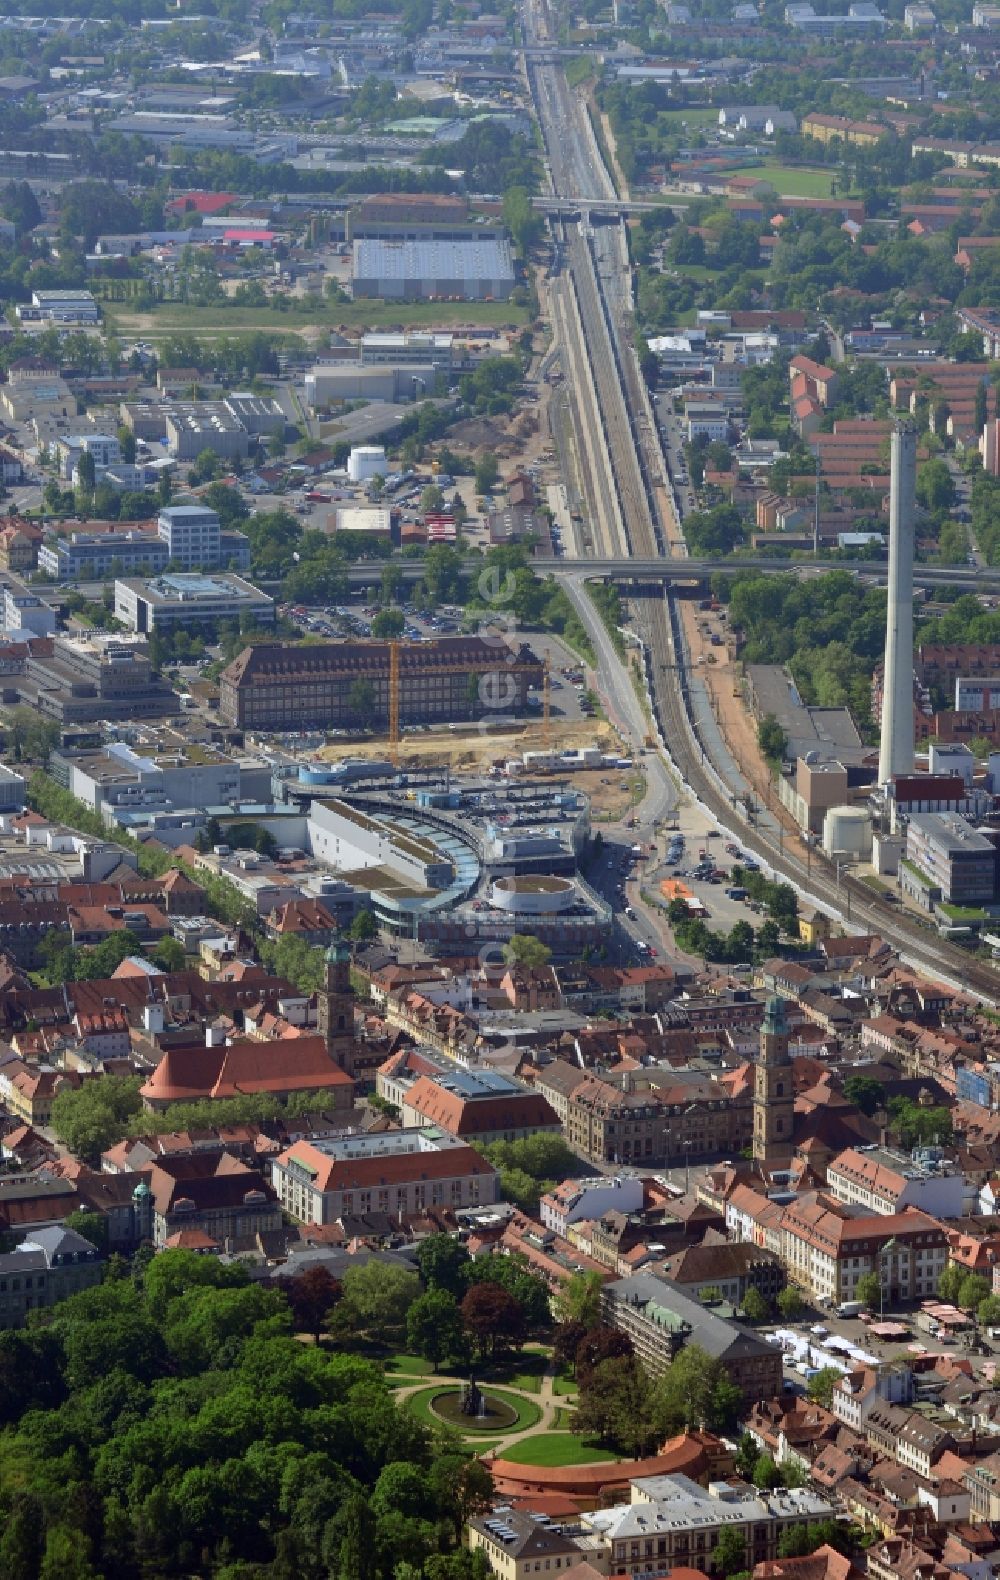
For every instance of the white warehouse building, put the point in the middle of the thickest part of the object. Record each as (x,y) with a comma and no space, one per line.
(465,271)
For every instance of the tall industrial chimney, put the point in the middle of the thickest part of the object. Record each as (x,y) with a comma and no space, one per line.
(896,749)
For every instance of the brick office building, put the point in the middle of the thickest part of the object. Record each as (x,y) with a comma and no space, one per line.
(279,686)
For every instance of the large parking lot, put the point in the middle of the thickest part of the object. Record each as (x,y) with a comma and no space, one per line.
(703,864)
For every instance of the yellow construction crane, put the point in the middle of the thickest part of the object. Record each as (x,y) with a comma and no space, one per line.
(457,667)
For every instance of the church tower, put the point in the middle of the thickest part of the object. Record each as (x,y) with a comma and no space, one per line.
(773,1094)
(335,1005)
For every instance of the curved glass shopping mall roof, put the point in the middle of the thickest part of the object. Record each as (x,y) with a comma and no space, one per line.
(402,901)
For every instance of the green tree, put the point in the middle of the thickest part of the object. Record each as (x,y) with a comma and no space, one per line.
(388,623)
(766,1474)
(22,1540)
(530,1166)
(296,960)
(915,1125)
(771,737)
(363,928)
(614,1406)
(434,1327)
(935,486)
(950,1283)
(869,1291)
(988,1312)
(525,949)
(972,1291)
(86,472)
(392,578)
(30,738)
(169,954)
(692,1393)
(92,1225)
(790,1303)
(798,1541)
(521,218)
(755,1307)
(748,1452)
(487,473)
(93,1117)
(730,1552)
(357,1545)
(376,1299)
(865,1093)
(443,1260)
(579,1299)
(821,1386)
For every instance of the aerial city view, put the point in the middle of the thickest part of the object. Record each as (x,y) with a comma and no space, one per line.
(500,790)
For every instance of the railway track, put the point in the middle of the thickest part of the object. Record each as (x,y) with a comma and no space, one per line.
(649,521)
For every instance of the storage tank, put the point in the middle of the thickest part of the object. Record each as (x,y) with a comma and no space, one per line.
(847,831)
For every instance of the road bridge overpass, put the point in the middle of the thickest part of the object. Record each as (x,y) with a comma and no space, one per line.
(368,573)
(598,208)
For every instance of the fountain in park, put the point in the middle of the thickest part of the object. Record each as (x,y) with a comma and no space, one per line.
(474,1400)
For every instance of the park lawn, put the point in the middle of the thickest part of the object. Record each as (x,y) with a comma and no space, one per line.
(564,1384)
(556,1448)
(524,1371)
(402,1365)
(177,318)
(790,181)
(563,1420)
(694,271)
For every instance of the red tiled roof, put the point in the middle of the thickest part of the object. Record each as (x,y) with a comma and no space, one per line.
(292,1064)
(338,1174)
(467,1117)
(201,202)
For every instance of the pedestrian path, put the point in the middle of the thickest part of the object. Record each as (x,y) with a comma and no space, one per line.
(546,1400)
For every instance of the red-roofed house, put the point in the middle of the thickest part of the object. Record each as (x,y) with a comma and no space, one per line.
(821,382)
(824,1564)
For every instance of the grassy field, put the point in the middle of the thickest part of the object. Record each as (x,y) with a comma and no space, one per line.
(703,117)
(525,1372)
(403,1365)
(176,318)
(556,1448)
(789,181)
